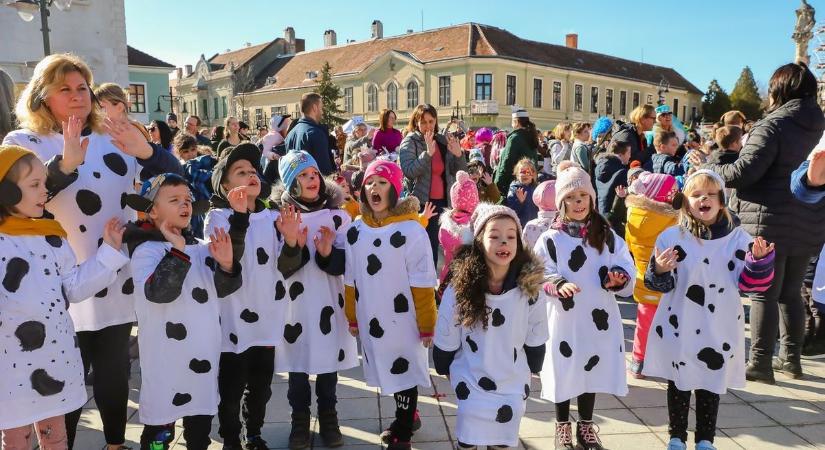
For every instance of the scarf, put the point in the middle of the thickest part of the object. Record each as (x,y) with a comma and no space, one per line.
(17,226)
(571,228)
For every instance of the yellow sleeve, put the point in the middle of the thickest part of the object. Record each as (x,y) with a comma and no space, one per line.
(349,305)
(423,220)
(425,310)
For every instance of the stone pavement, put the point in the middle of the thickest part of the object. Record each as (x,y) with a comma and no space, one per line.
(789,415)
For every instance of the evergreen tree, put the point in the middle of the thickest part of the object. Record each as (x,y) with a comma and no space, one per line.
(745,95)
(330,93)
(715,103)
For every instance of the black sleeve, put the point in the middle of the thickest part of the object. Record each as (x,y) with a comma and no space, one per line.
(333,264)
(292,259)
(166,282)
(660,283)
(227,283)
(238,224)
(442,360)
(535,357)
(56,180)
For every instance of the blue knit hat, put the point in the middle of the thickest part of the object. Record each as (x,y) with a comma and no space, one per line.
(292,164)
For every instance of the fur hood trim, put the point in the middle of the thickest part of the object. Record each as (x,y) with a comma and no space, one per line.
(531,278)
(405,206)
(335,194)
(448,223)
(642,202)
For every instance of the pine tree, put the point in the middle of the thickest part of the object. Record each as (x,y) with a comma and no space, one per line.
(715,103)
(745,95)
(330,93)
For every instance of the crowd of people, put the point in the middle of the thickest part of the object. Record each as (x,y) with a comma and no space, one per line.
(477,246)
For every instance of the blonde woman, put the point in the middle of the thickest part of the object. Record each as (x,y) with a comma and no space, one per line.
(231,134)
(91,165)
(641,120)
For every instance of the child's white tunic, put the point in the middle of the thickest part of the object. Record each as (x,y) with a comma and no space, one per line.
(490,374)
(317,340)
(382,265)
(697,337)
(42,373)
(585,353)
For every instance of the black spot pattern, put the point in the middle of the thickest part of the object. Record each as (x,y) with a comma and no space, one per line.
(176,331)
(54,241)
(526,391)
(399,366)
(200,365)
(280,290)
(31,335)
(96,174)
(712,307)
(128,287)
(341,300)
(233,338)
(373,264)
(487,384)
(44,384)
(504,414)
(591,363)
(263,257)
(16,269)
(181,399)
(681,254)
(341,354)
(291,332)
(611,243)
(123,197)
(731,265)
(462,391)
(565,350)
(567,303)
(674,321)
(551,249)
(706,261)
(200,295)
(375,329)
(726,346)
(102,293)
(498,318)
(115,163)
(603,271)
(713,359)
(376,243)
(88,202)
(337,222)
(471,343)
(325,323)
(401,304)
(696,294)
(577,259)
(249,316)
(295,289)
(740,255)
(397,239)
(659,331)
(352,235)
(600,317)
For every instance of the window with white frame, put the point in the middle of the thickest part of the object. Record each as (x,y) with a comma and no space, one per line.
(622,103)
(412,95)
(608,101)
(636,99)
(223,106)
(372,99)
(557,95)
(536,93)
(259,116)
(137,98)
(392,96)
(594,100)
(577,97)
(484,86)
(348,99)
(444,93)
(215,108)
(649,99)
(511,89)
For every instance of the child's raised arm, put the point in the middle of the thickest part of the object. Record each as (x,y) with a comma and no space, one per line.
(757,274)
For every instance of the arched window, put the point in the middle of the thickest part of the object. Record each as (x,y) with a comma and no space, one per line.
(372,99)
(392,97)
(412,95)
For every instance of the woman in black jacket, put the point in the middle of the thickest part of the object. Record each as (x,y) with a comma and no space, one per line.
(776,146)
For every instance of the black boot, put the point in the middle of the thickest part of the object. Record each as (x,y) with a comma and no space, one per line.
(587,435)
(792,369)
(299,437)
(759,374)
(329,430)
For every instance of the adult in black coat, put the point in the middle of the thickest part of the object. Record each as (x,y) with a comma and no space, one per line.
(642,119)
(761,175)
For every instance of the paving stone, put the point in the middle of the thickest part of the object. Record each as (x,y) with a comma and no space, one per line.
(767,438)
(795,412)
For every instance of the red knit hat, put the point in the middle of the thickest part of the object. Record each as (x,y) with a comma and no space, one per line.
(464,193)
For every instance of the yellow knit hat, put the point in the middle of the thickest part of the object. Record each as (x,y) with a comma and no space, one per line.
(9,154)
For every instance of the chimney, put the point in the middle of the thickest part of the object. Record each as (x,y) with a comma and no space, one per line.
(289,37)
(571,40)
(330,38)
(377,30)
(188,70)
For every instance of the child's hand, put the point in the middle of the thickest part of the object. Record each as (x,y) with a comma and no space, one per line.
(173,235)
(665,260)
(695,159)
(761,248)
(353,331)
(487,178)
(816,168)
(323,243)
(289,225)
(429,211)
(568,290)
(427,341)
(128,138)
(454,146)
(615,280)
(220,247)
(74,149)
(238,199)
(302,237)
(521,195)
(621,191)
(113,233)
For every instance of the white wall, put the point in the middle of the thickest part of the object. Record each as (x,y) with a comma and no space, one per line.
(92,29)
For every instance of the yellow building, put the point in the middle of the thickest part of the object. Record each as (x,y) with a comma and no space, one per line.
(475,70)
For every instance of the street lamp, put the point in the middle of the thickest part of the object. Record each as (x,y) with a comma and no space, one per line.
(26,9)
(171,99)
(664,87)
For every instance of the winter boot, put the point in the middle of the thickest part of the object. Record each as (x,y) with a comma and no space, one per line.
(791,369)
(299,437)
(759,373)
(255,443)
(329,430)
(587,435)
(564,436)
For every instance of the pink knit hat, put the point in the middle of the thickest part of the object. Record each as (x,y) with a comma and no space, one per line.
(571,177)
(464,193)
(387,170)
(659,187)
(484,135)
(544,196)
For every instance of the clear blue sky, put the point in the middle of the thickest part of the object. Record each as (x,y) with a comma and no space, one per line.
(702,39)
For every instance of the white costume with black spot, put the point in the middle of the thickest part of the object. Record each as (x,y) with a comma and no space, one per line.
(254,314)
(41,365)
(490,374)
(697,337)
(317,340)
(585,353)
(106,176)
(180,341)
(382,264)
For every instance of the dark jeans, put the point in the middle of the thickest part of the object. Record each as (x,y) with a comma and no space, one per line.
(585,402)
(106,351)
(196,431)
(433,226)
(299,392)
(244,378)
(779,309)
(678,408)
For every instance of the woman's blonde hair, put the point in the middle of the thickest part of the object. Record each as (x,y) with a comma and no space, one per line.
(560,129)
(692,224)
(112,93)
(639,112)
(50,73)
(226,126)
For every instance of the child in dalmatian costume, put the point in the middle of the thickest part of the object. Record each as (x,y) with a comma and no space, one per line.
(697,336)
(389,295)
(181,282)
(490,346)
(588,265)
(43,371)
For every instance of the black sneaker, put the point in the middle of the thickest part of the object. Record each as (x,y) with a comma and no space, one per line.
(299,436)
(255,443)
(386,435)
(790,369)
(587,436)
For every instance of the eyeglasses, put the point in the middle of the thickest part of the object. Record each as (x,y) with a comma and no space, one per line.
(650,117)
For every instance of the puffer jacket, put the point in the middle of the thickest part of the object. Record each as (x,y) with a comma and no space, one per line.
(646,219)
(776,146)
(416,164)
